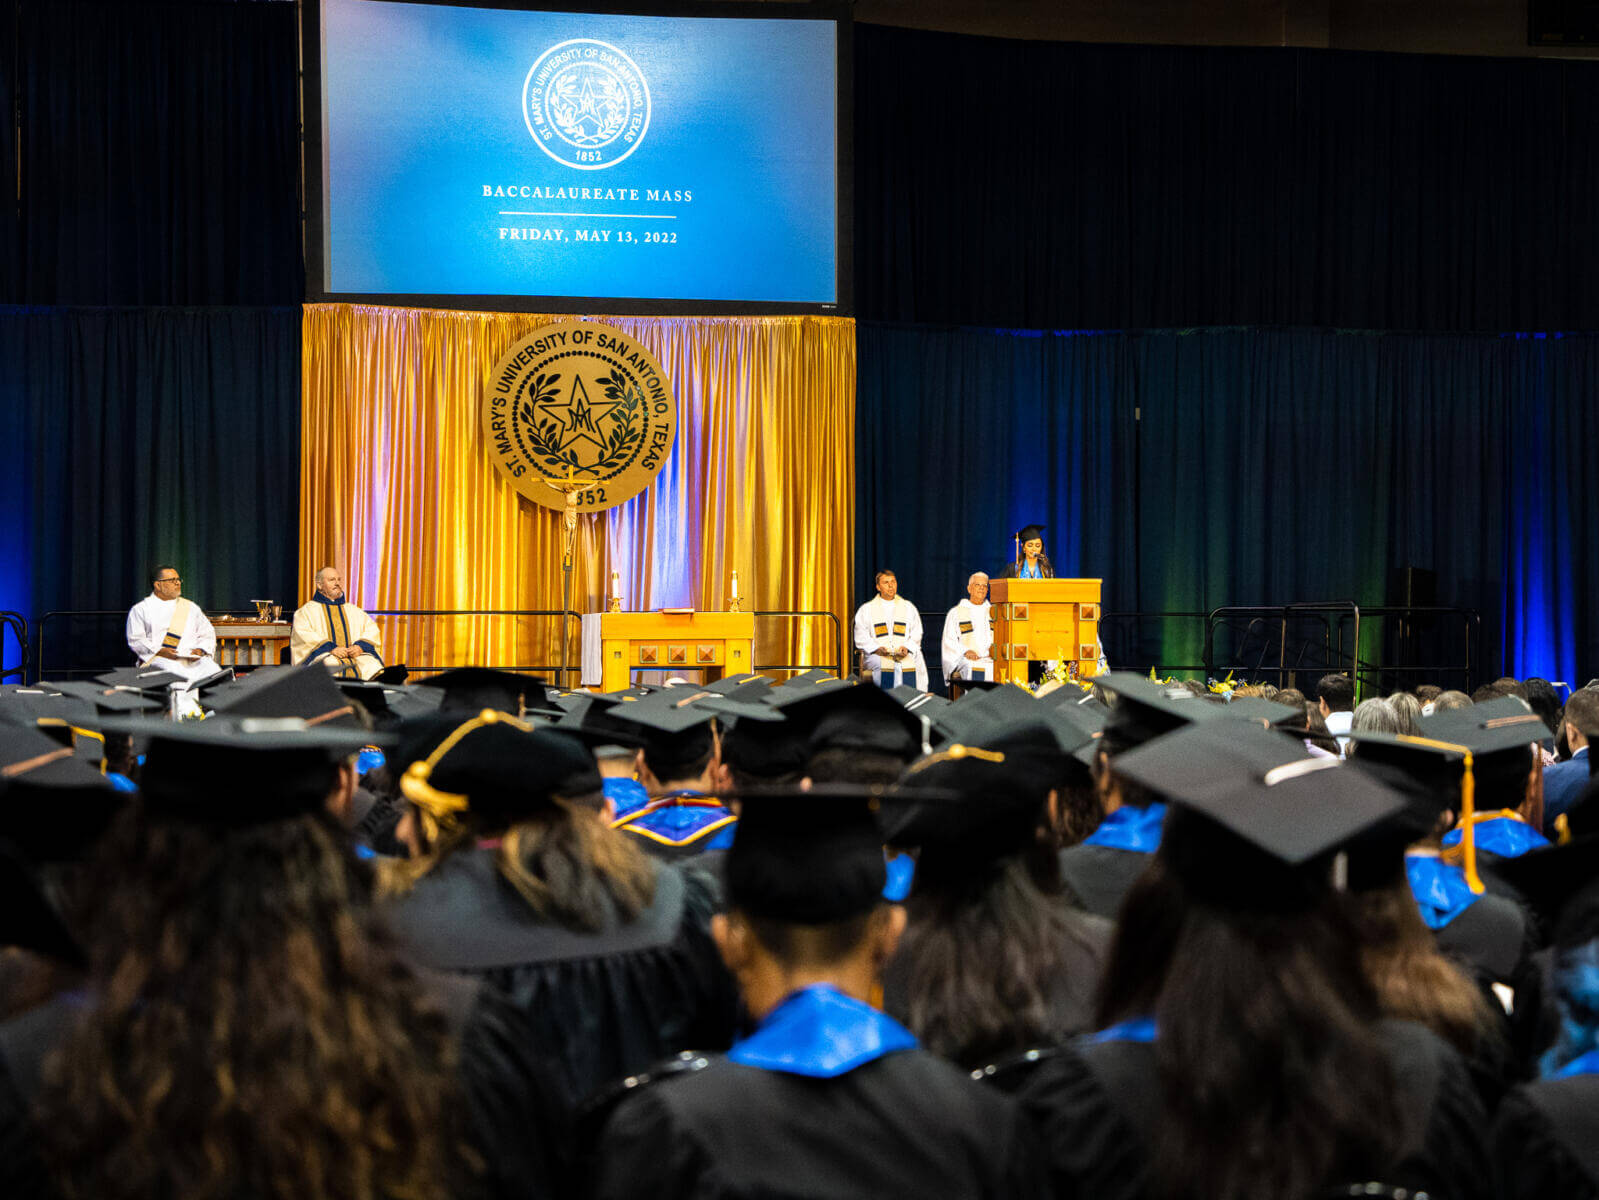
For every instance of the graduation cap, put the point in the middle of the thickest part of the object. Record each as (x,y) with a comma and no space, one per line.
(770,752)
(810,857)
(308,693)
(744,687)
(1254,818)
(806,679)
(397,673)
(864,717)
(238,771)
(109,701)
(1267,712)
(56,804)
(1028,532)
(472,689)
(499,770)
(389,703)
(677,732)
(1145,710)
(588,718)
(150,679)
(971,803)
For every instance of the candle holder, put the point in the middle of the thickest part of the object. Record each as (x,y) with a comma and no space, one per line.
(615,604)
(734,602)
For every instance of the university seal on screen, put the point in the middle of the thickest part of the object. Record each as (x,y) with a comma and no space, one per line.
(583,407)
(586,104)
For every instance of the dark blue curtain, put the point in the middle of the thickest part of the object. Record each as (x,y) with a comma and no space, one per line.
(160,162)
(1054,185)
(1196,469)
(144,435)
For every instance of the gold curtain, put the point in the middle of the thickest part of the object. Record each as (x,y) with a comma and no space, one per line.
(399,492)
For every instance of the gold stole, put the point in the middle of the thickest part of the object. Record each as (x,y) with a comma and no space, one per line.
(339,635)
(174,634)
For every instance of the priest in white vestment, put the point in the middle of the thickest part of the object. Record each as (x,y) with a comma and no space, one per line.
(332,631)
(968,643)
(888,631)
(168,631)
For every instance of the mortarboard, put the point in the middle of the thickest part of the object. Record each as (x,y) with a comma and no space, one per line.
(110,700)
(973,802)
(741,687)
(472,689)
(56,803)
(1266,712)
(236,771)
(1145,710)
(812,678)
(500,770)
(864,717)
(150,679)
(677,732)
(806,857)
(769,751)
(308,693)
(1251,810)
(1028,532)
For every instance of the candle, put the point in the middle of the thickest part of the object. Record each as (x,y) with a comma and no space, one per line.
(735,583)
(616,583)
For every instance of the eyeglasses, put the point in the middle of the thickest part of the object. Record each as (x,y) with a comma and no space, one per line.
(170,579)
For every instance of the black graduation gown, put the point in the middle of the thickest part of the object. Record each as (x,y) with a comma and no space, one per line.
(601,1005)
(510,1106)
(1495,940)
(1097,1107)
(904,1125)
(1546,1140)
(1098,878)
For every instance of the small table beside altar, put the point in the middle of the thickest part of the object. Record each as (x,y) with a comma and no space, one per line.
(671,640)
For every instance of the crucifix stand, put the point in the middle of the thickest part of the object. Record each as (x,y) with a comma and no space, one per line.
(572,489)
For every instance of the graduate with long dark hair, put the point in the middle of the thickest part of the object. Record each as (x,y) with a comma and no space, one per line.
(1242,1051)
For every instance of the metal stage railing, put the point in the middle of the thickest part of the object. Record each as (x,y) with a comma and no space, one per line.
(103,650)
(16,625)
(1312,639)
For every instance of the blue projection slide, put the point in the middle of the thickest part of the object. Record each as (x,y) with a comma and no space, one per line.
(498,152)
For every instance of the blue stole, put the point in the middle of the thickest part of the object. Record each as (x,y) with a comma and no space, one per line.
(901,874)
(1502,836)
(1130,828)
(821,1033)
(1587,1064)
(680,824)
(626,795)
(1440,889)
(1029,571)
(370,759)
(1139,1029)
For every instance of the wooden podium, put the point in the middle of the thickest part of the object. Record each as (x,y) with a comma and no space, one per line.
(718,643)
(1036,620)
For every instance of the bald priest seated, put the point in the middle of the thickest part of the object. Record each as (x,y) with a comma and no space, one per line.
(332,631)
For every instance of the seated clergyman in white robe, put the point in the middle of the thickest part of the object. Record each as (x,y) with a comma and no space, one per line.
(968,643)
(888,631)
(332,631)
(167,630)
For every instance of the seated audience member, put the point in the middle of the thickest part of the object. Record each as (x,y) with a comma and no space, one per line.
(1289,696)
(1318,739)
(1564,782)
(854,734)
(1242,1050)
(1489,691)
(1546,1135)
(1335,697)
(518,880)
(1374,716)
(1509,686)
(827,1096)
(1407,708)
(1450,700)
(1426,693)
(248,1028)
(1542,699)
(993,961)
